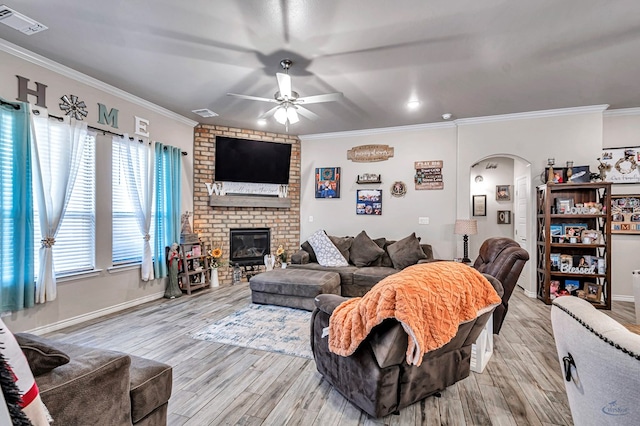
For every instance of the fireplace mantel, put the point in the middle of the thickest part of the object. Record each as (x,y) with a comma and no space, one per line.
(249,201)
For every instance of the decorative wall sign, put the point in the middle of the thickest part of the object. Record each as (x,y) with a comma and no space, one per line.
(369,153)
(620,165)
(73,107)
(328,182)
(398,189)
(141,127)
(368,178)
(625,214)
(428,175)
(110,118)
(504,217)
(40,93)
(369,202)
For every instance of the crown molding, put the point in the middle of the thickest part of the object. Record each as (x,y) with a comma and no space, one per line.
(379,131)
(622,111)
(533,114)
(39,60)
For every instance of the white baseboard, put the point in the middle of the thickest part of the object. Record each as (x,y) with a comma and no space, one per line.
(622,298)
(531,294)
(95,314)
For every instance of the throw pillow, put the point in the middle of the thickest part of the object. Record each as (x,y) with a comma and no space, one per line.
(343,244)
(326,252)
(364,251)
(406,252)
(31,403)
(312,254)
(41,357)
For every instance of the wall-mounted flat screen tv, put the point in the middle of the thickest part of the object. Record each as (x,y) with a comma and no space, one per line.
(244,160)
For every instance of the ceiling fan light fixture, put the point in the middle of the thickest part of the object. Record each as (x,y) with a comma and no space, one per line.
(292,115)
(281,115)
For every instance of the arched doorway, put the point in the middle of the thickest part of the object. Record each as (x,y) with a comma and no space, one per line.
(507,182)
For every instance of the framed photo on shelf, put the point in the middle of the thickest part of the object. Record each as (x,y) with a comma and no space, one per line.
(591,236)
(592,291)
(479,205)
(564,205)
(573,230)
(625,214)
(504,217)
(503,193)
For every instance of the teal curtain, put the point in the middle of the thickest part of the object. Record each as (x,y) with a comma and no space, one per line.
(17,283)
(168,192)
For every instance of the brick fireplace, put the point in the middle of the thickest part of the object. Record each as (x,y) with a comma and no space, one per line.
(215,223)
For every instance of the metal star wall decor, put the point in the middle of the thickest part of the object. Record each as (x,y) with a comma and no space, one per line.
(73,107)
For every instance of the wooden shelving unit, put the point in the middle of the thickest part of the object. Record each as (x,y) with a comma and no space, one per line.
(547,215)
(194,272)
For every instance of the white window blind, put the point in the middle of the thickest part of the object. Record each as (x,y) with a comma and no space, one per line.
(126,238)
(7,166)
(74,250)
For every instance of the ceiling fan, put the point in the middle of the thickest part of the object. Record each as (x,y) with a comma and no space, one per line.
(289,102)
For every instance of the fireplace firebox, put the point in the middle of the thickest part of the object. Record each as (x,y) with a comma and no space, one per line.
(248,246)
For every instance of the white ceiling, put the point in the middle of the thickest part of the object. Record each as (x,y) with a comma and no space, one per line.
(470,58)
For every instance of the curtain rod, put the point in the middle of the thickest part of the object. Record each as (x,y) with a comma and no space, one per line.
(97,129)
(15,106)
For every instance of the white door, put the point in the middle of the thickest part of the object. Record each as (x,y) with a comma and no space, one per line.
(521,229)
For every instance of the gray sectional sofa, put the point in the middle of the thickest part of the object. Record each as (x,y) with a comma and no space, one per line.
(370,260)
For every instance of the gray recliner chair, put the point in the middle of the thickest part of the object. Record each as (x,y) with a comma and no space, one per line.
(376,377)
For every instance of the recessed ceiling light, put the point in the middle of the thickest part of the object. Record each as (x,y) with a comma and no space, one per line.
(262,122)
(447,116)
(413,104)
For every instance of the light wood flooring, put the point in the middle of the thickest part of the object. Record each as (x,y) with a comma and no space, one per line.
(220,384)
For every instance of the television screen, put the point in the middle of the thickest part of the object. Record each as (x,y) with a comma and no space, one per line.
(243,160)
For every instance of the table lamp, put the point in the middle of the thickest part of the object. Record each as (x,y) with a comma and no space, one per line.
(466,227)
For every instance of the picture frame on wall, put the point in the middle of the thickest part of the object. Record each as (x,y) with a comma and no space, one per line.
(503,193)
(620,165)
(479,205)
(328,182)
(625,214)
(369,202)
(504,217)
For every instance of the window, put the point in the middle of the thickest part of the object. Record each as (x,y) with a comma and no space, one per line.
(74,250)
(126,238)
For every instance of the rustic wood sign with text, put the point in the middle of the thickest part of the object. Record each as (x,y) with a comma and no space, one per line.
(428,175)
(369,153)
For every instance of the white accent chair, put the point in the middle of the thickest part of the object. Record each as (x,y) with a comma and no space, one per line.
(600,362)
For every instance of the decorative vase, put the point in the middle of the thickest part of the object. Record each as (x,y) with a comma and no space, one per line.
(284,265)
(214,277)
(269,261)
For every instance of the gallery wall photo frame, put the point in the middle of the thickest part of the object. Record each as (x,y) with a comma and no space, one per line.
(620,165)
(625,214)
(327,182)
(504,217)
(503,192)
(479,205)
(369,202)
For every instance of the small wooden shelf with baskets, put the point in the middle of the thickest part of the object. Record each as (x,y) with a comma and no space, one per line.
(194,273)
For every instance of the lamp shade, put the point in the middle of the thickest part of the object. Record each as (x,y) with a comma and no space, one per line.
(466,227)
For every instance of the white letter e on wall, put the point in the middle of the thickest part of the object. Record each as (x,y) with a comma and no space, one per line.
(141,127)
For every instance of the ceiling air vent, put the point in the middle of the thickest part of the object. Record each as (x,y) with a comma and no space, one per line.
(19,22)
(205,112)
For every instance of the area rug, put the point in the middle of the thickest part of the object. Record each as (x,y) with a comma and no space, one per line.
(264,327)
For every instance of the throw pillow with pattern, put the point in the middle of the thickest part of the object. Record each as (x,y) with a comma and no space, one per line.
(326,252)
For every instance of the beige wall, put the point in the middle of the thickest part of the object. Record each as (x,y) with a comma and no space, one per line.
(399,215)
(107,290)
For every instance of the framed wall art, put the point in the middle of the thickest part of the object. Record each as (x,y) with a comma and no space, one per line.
(328,182)
(479,205)
(369,202)
(625,214)
(620,165)
(504,217)
(503,193)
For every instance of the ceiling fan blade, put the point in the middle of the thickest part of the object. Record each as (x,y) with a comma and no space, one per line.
(252,98)
(284,84)
(306,113)
(269,113)
(316,99)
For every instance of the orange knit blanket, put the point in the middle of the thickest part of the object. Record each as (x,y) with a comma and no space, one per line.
(430,301)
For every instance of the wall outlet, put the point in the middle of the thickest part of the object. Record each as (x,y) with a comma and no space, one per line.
(310,218)
(423,220)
